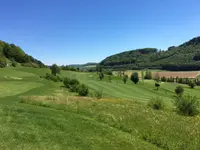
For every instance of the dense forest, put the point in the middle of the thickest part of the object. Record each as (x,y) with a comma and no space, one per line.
(13,55)
(183,57)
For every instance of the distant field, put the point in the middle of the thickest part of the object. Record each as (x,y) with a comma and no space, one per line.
(168,74)
(39,114)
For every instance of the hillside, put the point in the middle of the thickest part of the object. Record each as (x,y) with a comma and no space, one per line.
(11,54)
(183,57)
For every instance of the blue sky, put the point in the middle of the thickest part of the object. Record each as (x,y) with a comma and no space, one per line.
(80,31)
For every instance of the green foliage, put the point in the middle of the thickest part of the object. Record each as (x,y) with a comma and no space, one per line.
(157,77)
(72,84)
(191,84)
(55,69)
(184,57)
(135,77)
(108,72)
(156,103)
(98,94)
(148,75)
(179,90)
(67,82)
(54,78)
(13,52)
(70,68)
(125,78)
(83,90)
(2,62)
(109,78)
(163,79)
(101,75)
(187,105)
(157,85)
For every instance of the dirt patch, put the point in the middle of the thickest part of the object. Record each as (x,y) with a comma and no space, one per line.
(184,74)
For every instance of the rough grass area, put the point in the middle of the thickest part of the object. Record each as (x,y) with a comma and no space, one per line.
(164,129)
(39,114)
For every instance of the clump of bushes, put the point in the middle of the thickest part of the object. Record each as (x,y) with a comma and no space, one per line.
(98,94)
(54,78)
(179,90)
(156,103)
(191,84)
(74,86)
(148,75)
(83,90)
(187,105)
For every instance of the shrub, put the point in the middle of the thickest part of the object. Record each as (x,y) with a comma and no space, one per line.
(2,62)
(157,77)
(53,77)
(125,78)
(108,72)
(148,75)
(135,77)
(187,105)
(67,82)
(109,78)
(179,90)
(156,103)
(55,69)
(191,84)
(73,88)
(157,85)
(98,94)
(163,79)
(74,82)
(83,90)
(101,75)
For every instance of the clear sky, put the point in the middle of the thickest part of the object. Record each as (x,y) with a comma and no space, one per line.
(80,31)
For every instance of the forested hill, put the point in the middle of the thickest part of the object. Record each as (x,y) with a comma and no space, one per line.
(183,57)
(13,55)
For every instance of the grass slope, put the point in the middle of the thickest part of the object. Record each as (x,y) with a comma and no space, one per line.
(39,114)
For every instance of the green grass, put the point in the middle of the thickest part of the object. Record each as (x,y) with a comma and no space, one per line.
(40,114)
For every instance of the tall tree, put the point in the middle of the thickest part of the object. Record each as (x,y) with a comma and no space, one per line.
(135,77)
(55,69)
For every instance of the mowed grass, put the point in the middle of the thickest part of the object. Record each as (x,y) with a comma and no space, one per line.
(40,114)
(141,92)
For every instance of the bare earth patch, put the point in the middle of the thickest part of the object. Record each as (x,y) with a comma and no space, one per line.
(185,74)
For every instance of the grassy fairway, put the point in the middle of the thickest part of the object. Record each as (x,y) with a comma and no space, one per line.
(40,114)
(140,92)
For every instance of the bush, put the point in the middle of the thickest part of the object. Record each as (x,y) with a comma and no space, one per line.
(156,103)
(157,85)
(53,77)
(179,90)
(72,84)
(191,84)
(67,82)
(187,105)
(83,90)
(108,72)
(98,94)
(2,62)
(163,79)
(125,78)
(135,77)
(148,75)
(101,75)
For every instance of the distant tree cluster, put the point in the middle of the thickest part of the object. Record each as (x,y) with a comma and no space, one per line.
(16,55)
(69,68)
(190,82)
(185,57)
